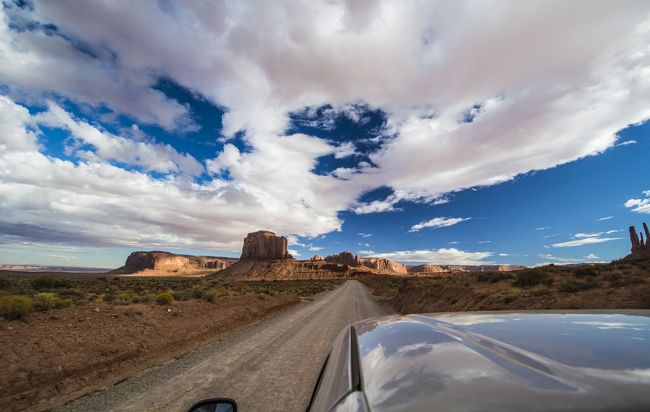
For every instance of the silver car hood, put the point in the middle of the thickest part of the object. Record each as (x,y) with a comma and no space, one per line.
(506,361)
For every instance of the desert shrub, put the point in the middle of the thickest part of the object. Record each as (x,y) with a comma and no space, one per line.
(49,283)
(197,292)
(15,307)
(74,294)
(623,281)
(211,295)
(532,277)
(108,297)
(164,298)
(45,301)
(122,299)
(492,277)
(539,291)
(642,294)
(576,285)
(585,271)
(145,298)
(510,297)
(5,283)
(570,302)
(135,298)
(181,295)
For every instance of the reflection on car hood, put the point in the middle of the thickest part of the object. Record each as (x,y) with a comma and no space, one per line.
(506,361)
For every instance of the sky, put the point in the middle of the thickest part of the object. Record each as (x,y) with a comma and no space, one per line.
(442,132)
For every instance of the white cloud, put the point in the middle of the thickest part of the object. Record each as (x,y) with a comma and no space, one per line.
(150,156)
(313,248)
(443,256)
(344,150)
(262,61)
(640,205)
(542,228)
(585,241)
(365,252)
(438,222)
(596,234)
(378,206)
(364,234)
(481,242)
(95,203)
(604,218)
(592,256)
(293,252)
(627,142)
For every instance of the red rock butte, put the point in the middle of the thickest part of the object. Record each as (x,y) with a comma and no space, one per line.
(264,245)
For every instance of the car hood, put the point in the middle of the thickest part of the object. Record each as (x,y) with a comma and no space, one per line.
(506,361)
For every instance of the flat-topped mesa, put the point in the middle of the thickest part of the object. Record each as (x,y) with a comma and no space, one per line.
(426,269)
(265,245)
(170,262)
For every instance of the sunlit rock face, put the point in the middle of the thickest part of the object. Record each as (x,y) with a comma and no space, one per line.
(170,262)
(426,269)
(265,245)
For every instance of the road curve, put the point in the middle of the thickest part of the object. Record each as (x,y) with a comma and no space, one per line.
(272,366)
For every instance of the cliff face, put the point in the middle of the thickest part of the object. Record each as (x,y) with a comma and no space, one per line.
(264,245)
(165,262)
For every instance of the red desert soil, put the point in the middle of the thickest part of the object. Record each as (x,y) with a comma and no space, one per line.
(58,355)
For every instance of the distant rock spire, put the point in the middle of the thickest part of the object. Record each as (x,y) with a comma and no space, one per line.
(634,238)
(641,243)
(647,233)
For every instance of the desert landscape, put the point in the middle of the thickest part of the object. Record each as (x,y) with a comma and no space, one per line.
(262,200)
(159,306)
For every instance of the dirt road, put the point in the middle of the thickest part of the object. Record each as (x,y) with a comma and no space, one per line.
(271,366)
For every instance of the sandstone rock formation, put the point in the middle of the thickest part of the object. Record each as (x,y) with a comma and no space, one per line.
(426,269)
(378,265)
(640,245)
(317,258)
(343,258)
(381,265)
(161,263)
(264,245)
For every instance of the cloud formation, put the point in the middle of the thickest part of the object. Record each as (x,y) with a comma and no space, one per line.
(443,256)
(438,222)
(585,241)
(469,103)
(640,205)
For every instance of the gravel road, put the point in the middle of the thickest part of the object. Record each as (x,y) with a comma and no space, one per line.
(272,366)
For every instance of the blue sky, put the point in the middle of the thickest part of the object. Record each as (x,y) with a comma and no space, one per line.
(181,128)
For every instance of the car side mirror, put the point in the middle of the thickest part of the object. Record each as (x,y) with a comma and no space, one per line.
(215,405)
